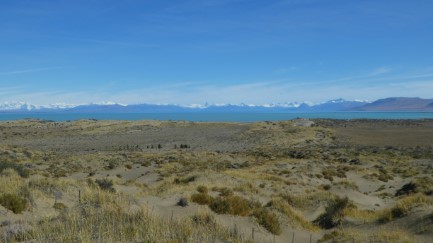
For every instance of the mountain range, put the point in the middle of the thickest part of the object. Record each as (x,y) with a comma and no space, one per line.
(338,105)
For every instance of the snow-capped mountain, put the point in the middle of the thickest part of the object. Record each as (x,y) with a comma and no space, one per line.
(17,106)
(112,107)
(388,104)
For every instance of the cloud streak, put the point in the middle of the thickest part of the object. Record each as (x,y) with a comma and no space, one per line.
(381,83)
(33,70)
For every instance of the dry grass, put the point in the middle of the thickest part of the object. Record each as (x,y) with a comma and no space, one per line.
(235,168)
(107,217)
(295,218)
(404,206)
(381,235)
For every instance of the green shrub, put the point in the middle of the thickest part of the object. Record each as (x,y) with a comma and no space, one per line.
(20,169)
(13,202)
(268,220)
(202,189)
(202,198)
(234,205)
(59,206)
(220,205)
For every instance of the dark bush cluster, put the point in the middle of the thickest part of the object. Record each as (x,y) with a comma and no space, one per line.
(20,169)
(421,184)
(105,184)
(183,202)
(333,214)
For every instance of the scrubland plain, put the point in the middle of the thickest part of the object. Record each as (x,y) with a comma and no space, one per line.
(155,181)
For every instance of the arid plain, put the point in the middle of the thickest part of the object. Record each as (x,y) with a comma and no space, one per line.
(174,181)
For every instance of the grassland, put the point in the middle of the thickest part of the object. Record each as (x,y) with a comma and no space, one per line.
(153,181)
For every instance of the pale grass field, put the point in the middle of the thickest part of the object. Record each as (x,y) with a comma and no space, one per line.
(269,182)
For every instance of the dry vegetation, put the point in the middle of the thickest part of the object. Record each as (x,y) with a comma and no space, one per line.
(151,181)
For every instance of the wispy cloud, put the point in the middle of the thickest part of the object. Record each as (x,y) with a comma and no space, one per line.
(33,70)
(111,42)
(271,91)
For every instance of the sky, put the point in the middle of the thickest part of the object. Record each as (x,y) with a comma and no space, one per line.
(214,51)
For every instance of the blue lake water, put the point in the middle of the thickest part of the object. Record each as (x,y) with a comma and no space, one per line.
(218,117)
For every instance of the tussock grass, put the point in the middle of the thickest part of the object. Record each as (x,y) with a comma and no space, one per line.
(234,205)
(309,200)
(202,198)
(294,217)
(268,220)
(404,206)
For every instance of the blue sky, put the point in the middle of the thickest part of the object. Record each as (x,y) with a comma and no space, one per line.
(216,51)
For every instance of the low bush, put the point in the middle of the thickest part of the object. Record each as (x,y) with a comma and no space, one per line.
(105,184)
(421,184)
(183,202)
(202,198)
(234,205)
(13,202)
(59,206)
(202,189)
(333,214)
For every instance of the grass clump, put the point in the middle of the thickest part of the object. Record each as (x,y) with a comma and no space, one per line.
(204,219)
(234,205)
(185,180)
(285,208)
(202,189)
(202,198)
(13,202)
(268,220)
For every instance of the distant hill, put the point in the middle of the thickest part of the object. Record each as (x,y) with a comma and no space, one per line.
(398,104)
